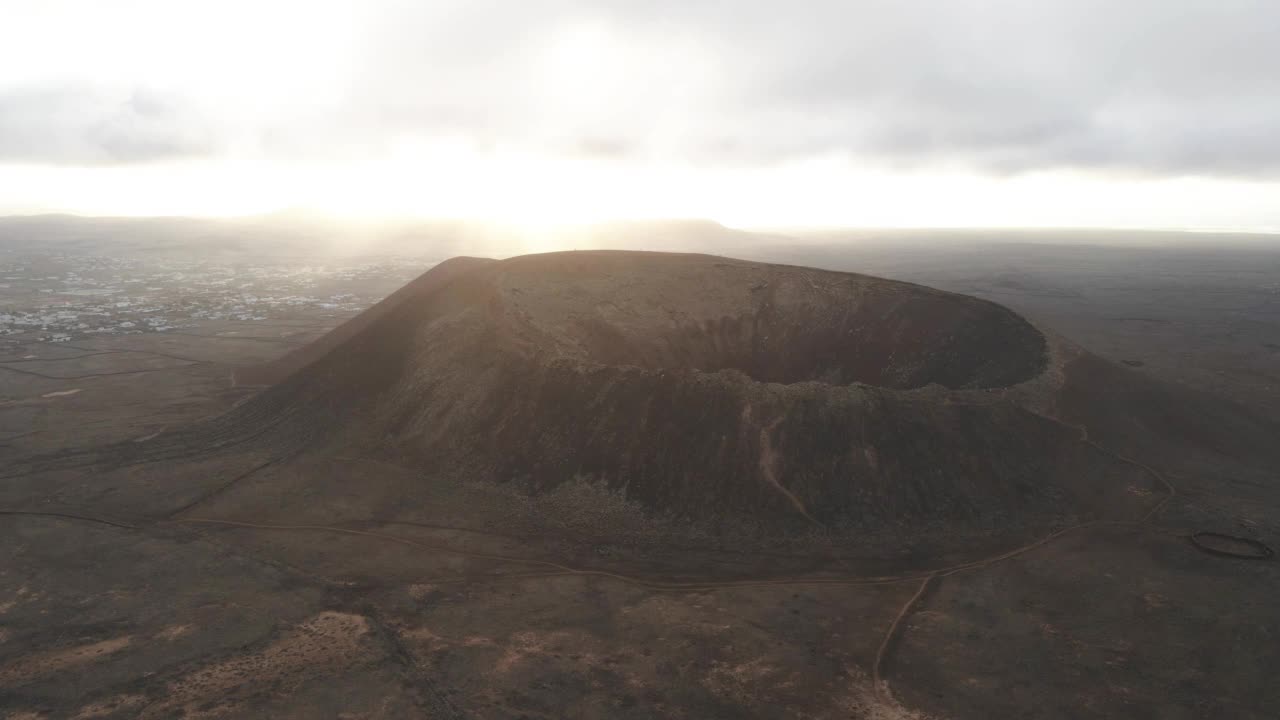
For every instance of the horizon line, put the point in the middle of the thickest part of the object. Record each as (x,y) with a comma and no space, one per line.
(287,214)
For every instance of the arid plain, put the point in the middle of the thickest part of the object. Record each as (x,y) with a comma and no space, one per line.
(177,542)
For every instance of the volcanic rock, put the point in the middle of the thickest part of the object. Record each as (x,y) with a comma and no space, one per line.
(735,396)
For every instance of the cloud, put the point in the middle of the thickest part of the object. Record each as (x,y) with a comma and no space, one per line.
(1151,87)
(1167,87)
(58,126)
(1146,87)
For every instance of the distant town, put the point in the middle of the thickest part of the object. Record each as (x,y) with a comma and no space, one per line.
(61,297)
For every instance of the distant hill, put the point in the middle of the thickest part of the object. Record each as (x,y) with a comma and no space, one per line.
(303,235)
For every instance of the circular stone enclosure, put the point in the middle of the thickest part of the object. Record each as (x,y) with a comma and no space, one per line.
(1231,546)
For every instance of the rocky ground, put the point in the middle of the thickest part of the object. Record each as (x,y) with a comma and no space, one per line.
(154,590)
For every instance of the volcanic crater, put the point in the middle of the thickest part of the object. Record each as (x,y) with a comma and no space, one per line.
(775,324)
(708,395)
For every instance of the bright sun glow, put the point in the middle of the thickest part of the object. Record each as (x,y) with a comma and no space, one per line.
(454,181)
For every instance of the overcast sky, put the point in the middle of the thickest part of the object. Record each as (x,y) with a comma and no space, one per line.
(1157,113)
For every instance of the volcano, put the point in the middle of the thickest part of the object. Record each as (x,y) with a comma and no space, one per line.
(737,398)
